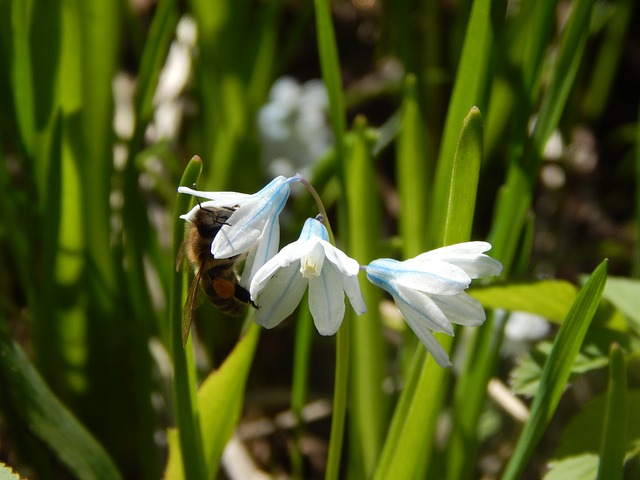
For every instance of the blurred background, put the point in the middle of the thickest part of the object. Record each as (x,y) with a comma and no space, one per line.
(104,103)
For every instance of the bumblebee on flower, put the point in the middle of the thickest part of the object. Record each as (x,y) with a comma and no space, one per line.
(429,290)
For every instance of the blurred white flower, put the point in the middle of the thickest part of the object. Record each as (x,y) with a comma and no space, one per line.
(429,289)
(174,77)
(293,127)
(523,329)
(554,147)
(123,87)
(311,261)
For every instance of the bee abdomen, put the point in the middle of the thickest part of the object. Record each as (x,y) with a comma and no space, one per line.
(224,291)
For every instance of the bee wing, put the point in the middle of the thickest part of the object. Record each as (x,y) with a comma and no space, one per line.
(180,256)
(189,306)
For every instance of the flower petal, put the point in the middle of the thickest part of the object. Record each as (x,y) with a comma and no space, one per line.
(381,273)
(423,309)
(219,199)
(468,256)
(434,276)
(425,335)
(351,287)
(326,301)
(287,255)
(462,309)
(191,214)
(280,296)
(263,251)
(247,223)
(345,264)
(313,228)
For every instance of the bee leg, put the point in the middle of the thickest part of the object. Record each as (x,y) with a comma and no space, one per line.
(244,296)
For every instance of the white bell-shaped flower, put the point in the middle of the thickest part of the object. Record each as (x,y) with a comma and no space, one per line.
(252,226)
(429,289)
(311,261)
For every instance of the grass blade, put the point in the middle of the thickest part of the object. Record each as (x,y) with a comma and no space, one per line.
(606,65)
(186,410)
(330,65)
(367,345)
(220,400)
(469,90)
(413,172)
(614,437)
(47,418)
(569,58)
(161,34)
(407,460)
(464,180)
(556,371)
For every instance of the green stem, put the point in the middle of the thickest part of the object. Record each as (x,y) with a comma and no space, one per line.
(341,384)
(321,209)
(339,401)
(342,366)
(302,353)
(184,388)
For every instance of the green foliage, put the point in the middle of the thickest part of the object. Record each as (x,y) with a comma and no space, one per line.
(440,114)
(557,368)
(219,401)
(550,299)
(26,396)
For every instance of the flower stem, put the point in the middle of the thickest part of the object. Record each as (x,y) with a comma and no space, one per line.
(339,401)
(341,383)
(320,205)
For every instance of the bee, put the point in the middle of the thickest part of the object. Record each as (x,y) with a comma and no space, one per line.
(218,276)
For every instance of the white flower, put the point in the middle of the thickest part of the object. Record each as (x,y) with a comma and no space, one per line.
(253,226)
(312,261)
(521,330)
(293,125)
(174,78)
(429,289)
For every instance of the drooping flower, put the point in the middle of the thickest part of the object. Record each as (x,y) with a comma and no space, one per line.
(253,226)
(311,261)
(429,289)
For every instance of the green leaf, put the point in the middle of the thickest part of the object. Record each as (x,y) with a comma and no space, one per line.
(613,444)
(47,418)
(557,369)
(367,344)
(413,172)
(608,58)
(464,180)
(584,432)
(400,458)
(469,90)
(220,400)
(471,391)
(330,65)
(550,299)
(579,467)
(21,72)
(624,293)
(525,378)
(161,33)
(185,405)
(564,73)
